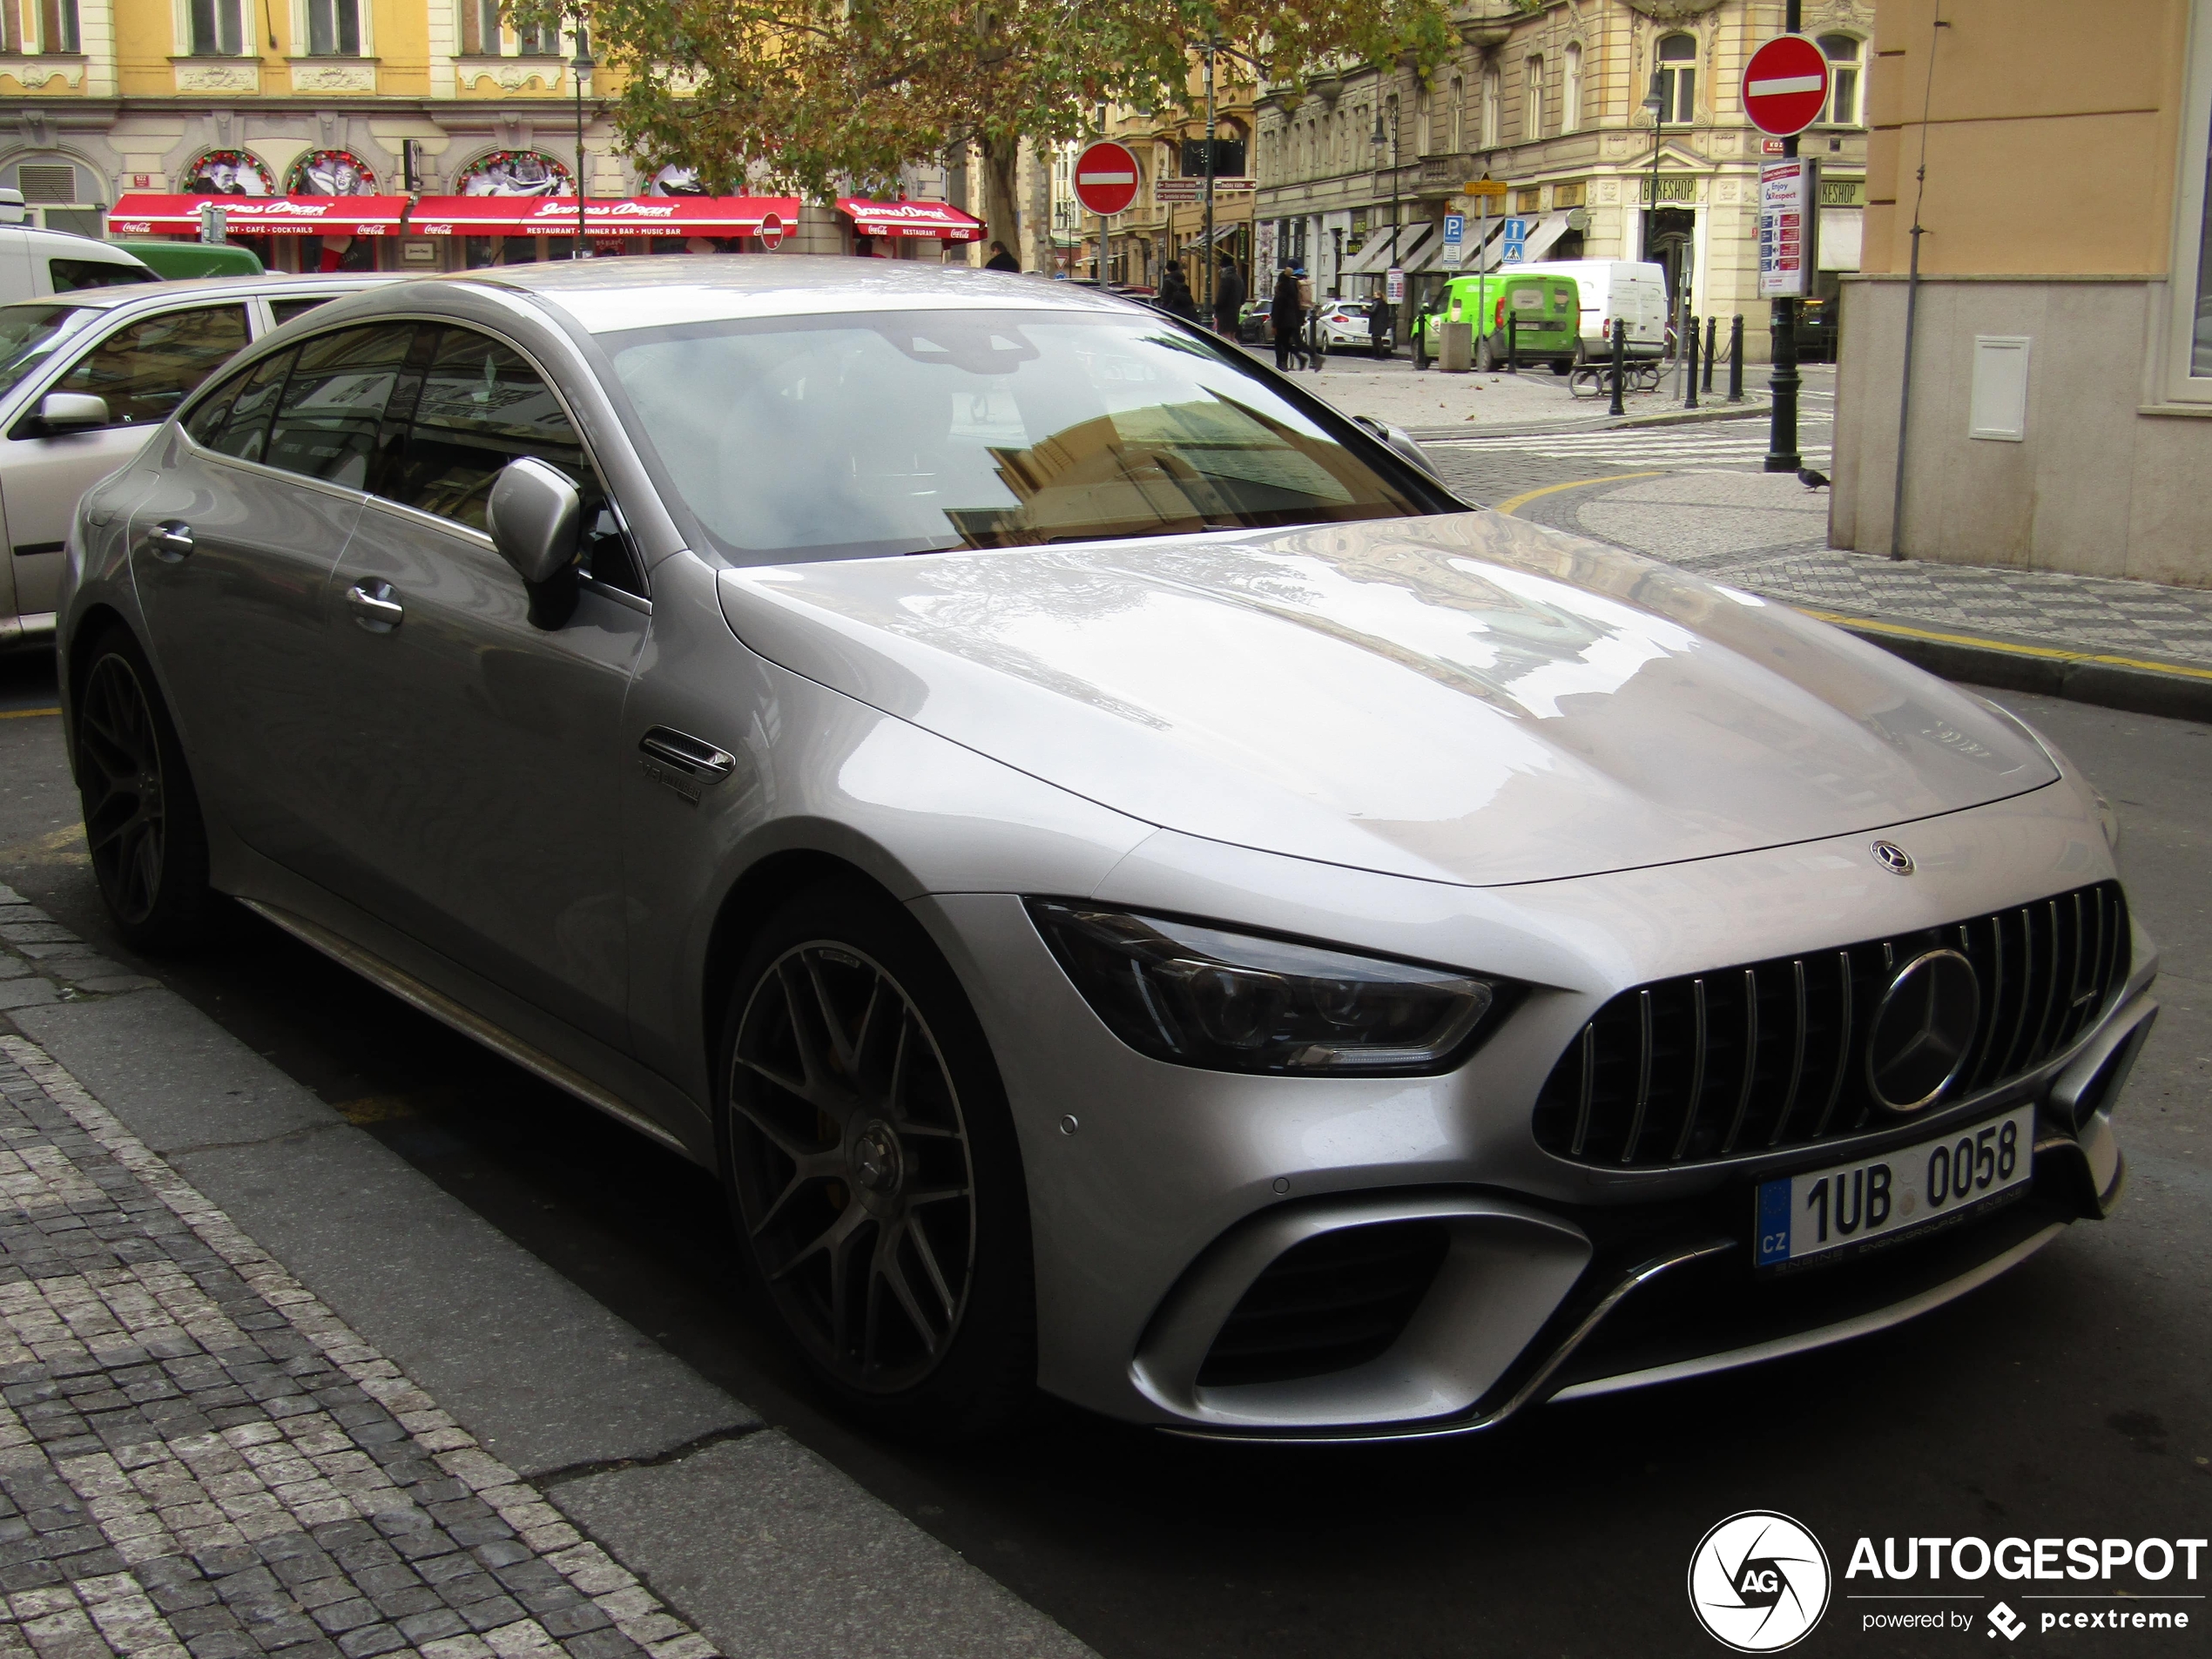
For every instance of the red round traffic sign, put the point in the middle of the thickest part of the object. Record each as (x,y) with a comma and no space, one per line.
(1106,177)
(1785,85)
(771,231)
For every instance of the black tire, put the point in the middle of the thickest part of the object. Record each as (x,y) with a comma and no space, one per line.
(873,1172)
(142,823)
(1561,365)
(1485,356)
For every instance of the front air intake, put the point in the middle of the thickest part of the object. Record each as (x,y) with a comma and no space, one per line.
(1335,1301)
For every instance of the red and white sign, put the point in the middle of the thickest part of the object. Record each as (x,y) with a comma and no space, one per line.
(137,215)
(772,232)
(631,216)
(939,219)
(1785,85)
(1106,177)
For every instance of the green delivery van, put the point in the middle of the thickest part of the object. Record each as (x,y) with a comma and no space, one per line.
(1546,312)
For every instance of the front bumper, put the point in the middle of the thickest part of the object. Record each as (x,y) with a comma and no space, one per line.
(1160,1194)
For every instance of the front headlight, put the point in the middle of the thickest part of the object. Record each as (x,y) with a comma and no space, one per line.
(1231,1002)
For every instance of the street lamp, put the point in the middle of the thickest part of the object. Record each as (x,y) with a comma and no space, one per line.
(1655,101)
(580,66)
(1377,141)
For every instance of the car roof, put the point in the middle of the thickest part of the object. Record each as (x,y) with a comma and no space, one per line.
(273,283)
(611,295)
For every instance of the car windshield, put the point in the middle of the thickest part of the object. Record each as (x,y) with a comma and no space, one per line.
(29,332)
(914,432)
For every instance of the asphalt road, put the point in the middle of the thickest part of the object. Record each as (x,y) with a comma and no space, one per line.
(2066,1400)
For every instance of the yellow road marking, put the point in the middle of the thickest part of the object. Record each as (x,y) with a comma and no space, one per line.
(46,847)
(2048,653)
(1522,500)
(376,1108)
(25,714)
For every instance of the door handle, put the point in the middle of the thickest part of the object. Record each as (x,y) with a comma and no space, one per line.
(693,757)
(373,606)
(170,541)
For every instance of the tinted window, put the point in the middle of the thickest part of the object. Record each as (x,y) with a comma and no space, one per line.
(333,406)
(245,432)
(144,369)
(32,333)
(93,273)
(905,432)
(285,310)
(207,415)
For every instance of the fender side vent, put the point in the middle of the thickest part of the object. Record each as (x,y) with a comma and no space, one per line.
(1335,1301)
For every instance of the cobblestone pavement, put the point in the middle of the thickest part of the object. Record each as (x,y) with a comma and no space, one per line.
(198,1458)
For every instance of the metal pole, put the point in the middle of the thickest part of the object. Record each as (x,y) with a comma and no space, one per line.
(1736,358)
(1512,341)
(578,68)
(1620,364)
(1689,346)
(1912,302)
(1712,332)
(1782,439)
(1205,256)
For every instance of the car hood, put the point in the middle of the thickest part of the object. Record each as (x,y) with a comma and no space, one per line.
(1465,697)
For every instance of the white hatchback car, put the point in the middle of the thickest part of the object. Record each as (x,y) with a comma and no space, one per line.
(85,377)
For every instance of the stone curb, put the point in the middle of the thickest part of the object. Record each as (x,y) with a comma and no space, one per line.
(1744,411)
(2172,691)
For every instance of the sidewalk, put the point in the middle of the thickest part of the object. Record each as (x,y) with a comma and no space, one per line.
(382,1429)
(2132,645)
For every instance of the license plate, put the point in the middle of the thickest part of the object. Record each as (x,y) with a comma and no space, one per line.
(1851,1207)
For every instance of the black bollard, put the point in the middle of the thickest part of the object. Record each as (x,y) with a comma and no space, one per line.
(1620,364)
(1736,360)
(1512,342)
(1712,332)
(1689,381)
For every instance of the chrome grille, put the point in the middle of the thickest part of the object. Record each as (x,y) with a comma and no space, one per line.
(1772,1054)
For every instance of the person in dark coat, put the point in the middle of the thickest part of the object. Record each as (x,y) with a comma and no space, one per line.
(1378,325)
(1001,260)
(1228,298)
(1288,316)
(1175,296)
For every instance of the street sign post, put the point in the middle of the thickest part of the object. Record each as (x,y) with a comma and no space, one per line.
(1455,240)
(1106,177)
(1180,190)
(1516,241)
(1394,286)
(1484,190)
(1785,85)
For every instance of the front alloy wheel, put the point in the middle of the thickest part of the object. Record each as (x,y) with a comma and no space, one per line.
(142,824)
(854,1171)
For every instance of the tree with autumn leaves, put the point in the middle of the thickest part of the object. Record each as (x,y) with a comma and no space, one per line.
(809,94)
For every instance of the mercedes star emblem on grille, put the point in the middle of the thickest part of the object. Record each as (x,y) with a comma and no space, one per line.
(1892,858)
(1922,1030)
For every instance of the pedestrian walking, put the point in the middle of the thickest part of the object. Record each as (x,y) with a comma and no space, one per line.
(1175,297)
(1287,313)
(1001,260)
(1228,300)
(1378,326)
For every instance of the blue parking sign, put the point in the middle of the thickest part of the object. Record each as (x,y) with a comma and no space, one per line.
(1455,227)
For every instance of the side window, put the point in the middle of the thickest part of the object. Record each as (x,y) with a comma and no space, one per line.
(482,406)
(144,369)
(68,275)
(207,415)
(327,420)
(283,311)
(245,429)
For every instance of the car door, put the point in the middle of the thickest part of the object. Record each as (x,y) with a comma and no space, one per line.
(144,367)
(471,792)
(232,551)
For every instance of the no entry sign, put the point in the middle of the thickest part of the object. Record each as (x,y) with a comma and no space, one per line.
(1785,85)
(1106,177)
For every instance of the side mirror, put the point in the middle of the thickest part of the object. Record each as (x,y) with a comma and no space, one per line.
(535,518)
(72,412)
(1401,443)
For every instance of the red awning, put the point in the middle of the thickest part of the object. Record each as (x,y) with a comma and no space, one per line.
(633,216)
(939,219)
(260,215)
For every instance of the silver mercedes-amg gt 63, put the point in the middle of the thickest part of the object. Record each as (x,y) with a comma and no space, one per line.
(1136,889)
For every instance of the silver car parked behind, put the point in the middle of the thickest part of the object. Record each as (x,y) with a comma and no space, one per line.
(1133,888)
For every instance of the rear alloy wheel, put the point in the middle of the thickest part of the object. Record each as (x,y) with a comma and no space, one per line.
(142,824)
(873,1171)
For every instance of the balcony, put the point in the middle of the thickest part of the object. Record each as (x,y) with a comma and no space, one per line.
(1440,175)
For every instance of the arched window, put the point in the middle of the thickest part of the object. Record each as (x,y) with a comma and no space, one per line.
(1424,130)
(1675,79)
(1531,124)
(1842,52)
(1459,114)
(1570,90)
(1490,98)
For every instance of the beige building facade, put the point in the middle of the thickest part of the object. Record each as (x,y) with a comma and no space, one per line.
(2060,409)
(1548,99)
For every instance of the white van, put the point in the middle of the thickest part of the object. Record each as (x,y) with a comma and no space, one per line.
(1635,292)
(35,263)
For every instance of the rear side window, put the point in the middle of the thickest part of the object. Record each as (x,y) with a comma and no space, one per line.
(482,406)
(246,428)
(285,310)
(333,407)
(207,416)
(146,369)
(69,274)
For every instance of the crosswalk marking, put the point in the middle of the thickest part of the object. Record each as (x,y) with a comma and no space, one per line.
(1660,446)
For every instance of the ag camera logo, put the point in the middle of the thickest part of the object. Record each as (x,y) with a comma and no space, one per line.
(1758,1582)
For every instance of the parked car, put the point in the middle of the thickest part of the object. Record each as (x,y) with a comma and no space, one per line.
(1346,327)
(1544,316)
(1131,887)
(84,377)
(1634,290)
(1256,323)
(34,262)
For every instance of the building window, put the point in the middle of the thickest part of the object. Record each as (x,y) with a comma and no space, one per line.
(57,26)
(1533,127)
(1842,52)
(1675,80)
(215,28)
(1423,128)
(1459,114)
(1490,95)
(1568,195)
(537,40)
(1570,90)
(333,28)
